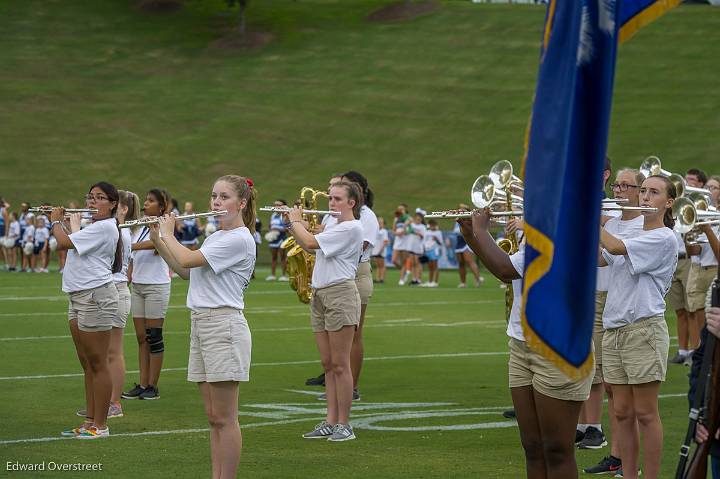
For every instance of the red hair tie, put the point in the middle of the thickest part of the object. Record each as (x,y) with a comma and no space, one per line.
(249,182)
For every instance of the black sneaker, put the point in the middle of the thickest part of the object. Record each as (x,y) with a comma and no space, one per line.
(318,381)
(594,439)
(150,393)
(607,465)
(134,393)
(509,414)
(579,436)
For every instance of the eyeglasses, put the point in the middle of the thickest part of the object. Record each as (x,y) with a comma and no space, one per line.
(622,186)
(96,198)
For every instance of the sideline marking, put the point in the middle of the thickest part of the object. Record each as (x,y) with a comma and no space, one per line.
(289,363)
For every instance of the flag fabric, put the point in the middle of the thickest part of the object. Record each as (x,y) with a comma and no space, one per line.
(565,156)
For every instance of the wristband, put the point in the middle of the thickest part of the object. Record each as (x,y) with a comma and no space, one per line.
(56,222)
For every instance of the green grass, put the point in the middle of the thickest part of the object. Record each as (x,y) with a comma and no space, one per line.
(94,90)
(466,326)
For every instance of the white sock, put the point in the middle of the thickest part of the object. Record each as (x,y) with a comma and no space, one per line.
(596,426)
(683,352)
(582,427)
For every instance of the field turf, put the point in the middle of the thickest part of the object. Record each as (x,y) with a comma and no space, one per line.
(433,388)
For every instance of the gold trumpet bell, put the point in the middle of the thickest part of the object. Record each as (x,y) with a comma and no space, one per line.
(505,245)
(685,215)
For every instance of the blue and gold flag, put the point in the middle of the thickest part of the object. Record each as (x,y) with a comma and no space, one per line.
(567,144)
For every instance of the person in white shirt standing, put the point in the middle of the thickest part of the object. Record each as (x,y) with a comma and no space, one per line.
(220,340)
(335,305)
(94,254)
(432,244)
(636,341)
(378,253)
(42,235)
(150,297)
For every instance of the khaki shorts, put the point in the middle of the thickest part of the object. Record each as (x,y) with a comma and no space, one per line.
(699,280)
(598,330)
(123,304)
(364,282)
(528,368)
(94,309)
(334,307)
(677,296)
(220,346)
(150,301)
(636,353)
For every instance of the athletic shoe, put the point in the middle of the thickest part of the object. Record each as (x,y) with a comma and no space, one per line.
(356,395)
(688,360)
(283,278)
(134,393)
(322,431)
(462,285)
(321,397)
(509,414)
(620,473)
(594,439)
(579,436)
(115,410)
(270,278)
(318,381)
(74,431)
(678,358)
(607,465)
(479,281)
(81,412)
(342,432)
(93,433)
(401,282)
(415,282)
(150,393)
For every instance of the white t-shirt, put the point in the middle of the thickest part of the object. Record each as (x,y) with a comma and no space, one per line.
(681,243)
(370,226)
(514,328)
(640,279)
(89,265)
(339,254)
(417,231)
(14,231)
(707,257)
(620,229)
(29,235)
(379,246)
(401,237)
(231,258)
(41,236)
(148,267)
(433,240)
(127,252)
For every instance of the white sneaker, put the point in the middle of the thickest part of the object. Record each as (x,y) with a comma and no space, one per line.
(401,282)
(270,278)
(461,285)
(93,433)
(283,278)
(479,281)
(434,285)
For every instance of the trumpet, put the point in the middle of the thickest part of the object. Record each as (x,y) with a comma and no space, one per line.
(286,209)
(68,211)
(468,214)
(154,219)
(653,166)
(502,176)
(485,193)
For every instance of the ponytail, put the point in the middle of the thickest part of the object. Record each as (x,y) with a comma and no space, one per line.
(249,215)
(245,191)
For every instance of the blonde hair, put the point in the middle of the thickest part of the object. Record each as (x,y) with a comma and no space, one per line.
(353,193)
(245,191)
(639,177)
(132,202)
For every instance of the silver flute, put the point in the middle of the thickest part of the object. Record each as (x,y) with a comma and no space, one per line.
(155,219)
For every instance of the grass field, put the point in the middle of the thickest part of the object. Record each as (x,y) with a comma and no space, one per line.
(433,387)
(101,89)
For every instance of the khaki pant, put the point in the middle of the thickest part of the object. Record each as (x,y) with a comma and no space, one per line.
(94,309)
(123,304)
(598,331)
(528,368)
(699,280)
(636,353)
(677,295)
(220,346)
(334,307)
(364,282)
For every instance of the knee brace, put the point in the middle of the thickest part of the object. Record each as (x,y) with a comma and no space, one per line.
(154,338)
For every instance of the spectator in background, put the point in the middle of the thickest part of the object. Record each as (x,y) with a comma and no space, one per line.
(432,243)
(378,253)
(464,255)
(275,238)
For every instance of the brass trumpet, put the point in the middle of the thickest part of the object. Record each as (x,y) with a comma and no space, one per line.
(484,194)
(154,219)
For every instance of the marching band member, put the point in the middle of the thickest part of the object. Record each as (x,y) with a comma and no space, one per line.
(220,341)
(627,225)
(546,402)
(149,300)
(128,210)
(464,255)
(94,254)
(636,341)
(335,306)
(275,236)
